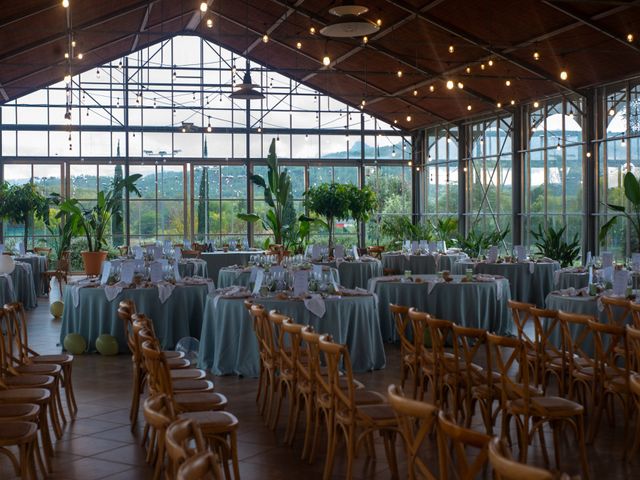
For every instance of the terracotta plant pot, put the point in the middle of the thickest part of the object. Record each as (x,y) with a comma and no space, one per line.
(93,262)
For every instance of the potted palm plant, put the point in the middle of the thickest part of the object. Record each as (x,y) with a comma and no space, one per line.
(93,221)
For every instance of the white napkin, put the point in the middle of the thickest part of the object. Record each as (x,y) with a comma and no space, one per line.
(12,293)
(165,289)
(355,292)
(112,291)
(315,304)
(432,283)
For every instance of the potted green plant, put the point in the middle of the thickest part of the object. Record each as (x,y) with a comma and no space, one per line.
(551,244)
(93,221)
(397,228)
(445,229)
(330,201)
(362,203)
(477,242)
(21,204)
(632,193)
(276,192)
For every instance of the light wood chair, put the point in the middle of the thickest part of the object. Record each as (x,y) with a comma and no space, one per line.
(617,309)
(478,384)
(634,309)
(24,412)
(528,332)
(634,385)
(427,373)
(123,250)
(301,382)
(417,421)
(376,251)
(579,344)
(554,359)
(528,407)
(356,423)
(183,439)
(158,413)
(203,466)
(28,356)
(455,447)
(447,384)
(612,373)
(269,358)
(287,370)
(22,435)
(506,468)
(633,340)
(410,364)
(61,272)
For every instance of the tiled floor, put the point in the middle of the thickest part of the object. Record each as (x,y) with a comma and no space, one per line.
(99,444)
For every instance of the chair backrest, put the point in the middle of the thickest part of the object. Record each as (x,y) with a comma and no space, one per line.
(578,346)
(183,439)
(549,327)
(336,355)
(506,468)
(17,333)
(525,324)
(610,342)
(441,331)
(470,345)
(292,358)
(284,354)
(634,308)
(63,263)
(123,250)
(375,251)
(634,385)
(307,370)
(416,421)
(158,411)
(616,309)
(320,383)
(7,354)
(159,376)
(190,253)
(633,340)
(402,321)
(126,309)
(509,361)
(203,466)
(419,326)
(455,444)
(265,335)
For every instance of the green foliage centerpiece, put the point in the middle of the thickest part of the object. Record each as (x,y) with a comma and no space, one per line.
(551,244)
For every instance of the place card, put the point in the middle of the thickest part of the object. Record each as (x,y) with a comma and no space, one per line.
(635,261)
(167,245)
(1,248)
(157,253)
(138,253)
(300,282)
(338,252)
(620,282)
(424,245)
(607,259)
(433,247)
(588,259)
(106,271)
(316,251)
(187,245)
(20,247)
(176,272)
(492,254)
(520,253)
(415,246)
(258,281)
(317,271)
(128,269)
(155,272)
(607,274)
(356,255)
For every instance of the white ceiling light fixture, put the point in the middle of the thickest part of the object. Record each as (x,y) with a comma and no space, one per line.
(247,90)
(349,23)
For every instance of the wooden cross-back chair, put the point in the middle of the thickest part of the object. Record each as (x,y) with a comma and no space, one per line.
(455,444)
(410,363)
(203,466)
(505,467)
(554,359)
(528,332)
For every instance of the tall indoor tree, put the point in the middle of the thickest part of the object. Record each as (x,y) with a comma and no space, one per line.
(22,204)
(330,201)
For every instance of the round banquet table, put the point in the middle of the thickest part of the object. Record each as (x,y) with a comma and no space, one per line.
(228,343)
(24,286)
(193,267)
(421,264)
(230,276)
(472,304)
(7,293)
(356,273)
(217,260)
(179,316)
(527,284)
(38,266)
(564,279)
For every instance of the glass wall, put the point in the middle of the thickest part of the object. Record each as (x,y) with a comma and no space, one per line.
(440,173)
(165,112)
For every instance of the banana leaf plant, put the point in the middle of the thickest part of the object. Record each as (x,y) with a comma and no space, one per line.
(276,192)
(94,221)
(632,194)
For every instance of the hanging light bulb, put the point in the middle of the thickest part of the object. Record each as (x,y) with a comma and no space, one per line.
(450,85)
(468,69)
(66,55)
(432,88)
(379,22)
(326,61)
(451,49)
(154,102)
(571,113)
(299,45)
(612,112)
(482,66)
(623,142)
(409,118)
(204,7)
(312,30)
(73,43)
(460,85)
(306,137)
(536,55)
(448,138)
(490,63)
(415,93)
(393,151)
(67,78)
(630,37)
(88,111)
(118,102)
(67,116)
(65,3)
(508,83)
(120,65)
(558,146)
(536,104)
(564,75)
(499,105)
(265,38)
(259,129)
(363,102)
(399,73)
(209,125)
(365,39)
(80,56)
(512,102)
(209,23)
(469,107)
(97,73)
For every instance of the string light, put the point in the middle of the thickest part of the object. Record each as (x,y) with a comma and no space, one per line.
(513,102)
(536,104)
(571,113)
(379,22)
(265,38)
(588,154)
(399,73)
(482,66)
(468,69)
(630,37)
(450,85)
(490,63)
(65,3)
(451,49)
(623,142)
(460,85)
(409,118)
(499,105)
(558,146)
(564,75)
(209,23)
(204,7)
(66,55)
(97,73)
(80,56)
(415,93)
(154,102)
(432,88)
(73,43)
(299,45)
(536,55)
(120,65)
(508,83)
(326,61)
(612,112)
(469,107)
(209,125)
(312,30)
(67,78)
(365,39)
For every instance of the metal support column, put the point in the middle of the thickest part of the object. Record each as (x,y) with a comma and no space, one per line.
(125,102)
(464,149)
(518,139)
(248,172)
(590,173)
(362,238)
(417,159)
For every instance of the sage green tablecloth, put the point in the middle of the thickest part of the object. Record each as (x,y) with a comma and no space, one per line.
(7,293)
(229,276)
(473,304)
(217,260)
(193,267)
(23,285)
(566,280)
(38,265)
(228,344)
(420,264)
(525,286)
(179,316)
(356,273)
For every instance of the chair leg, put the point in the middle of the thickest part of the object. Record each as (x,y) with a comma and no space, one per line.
(309,422)
(389,438)
(292,409)
(68,390)
(331,453)
(234,454)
